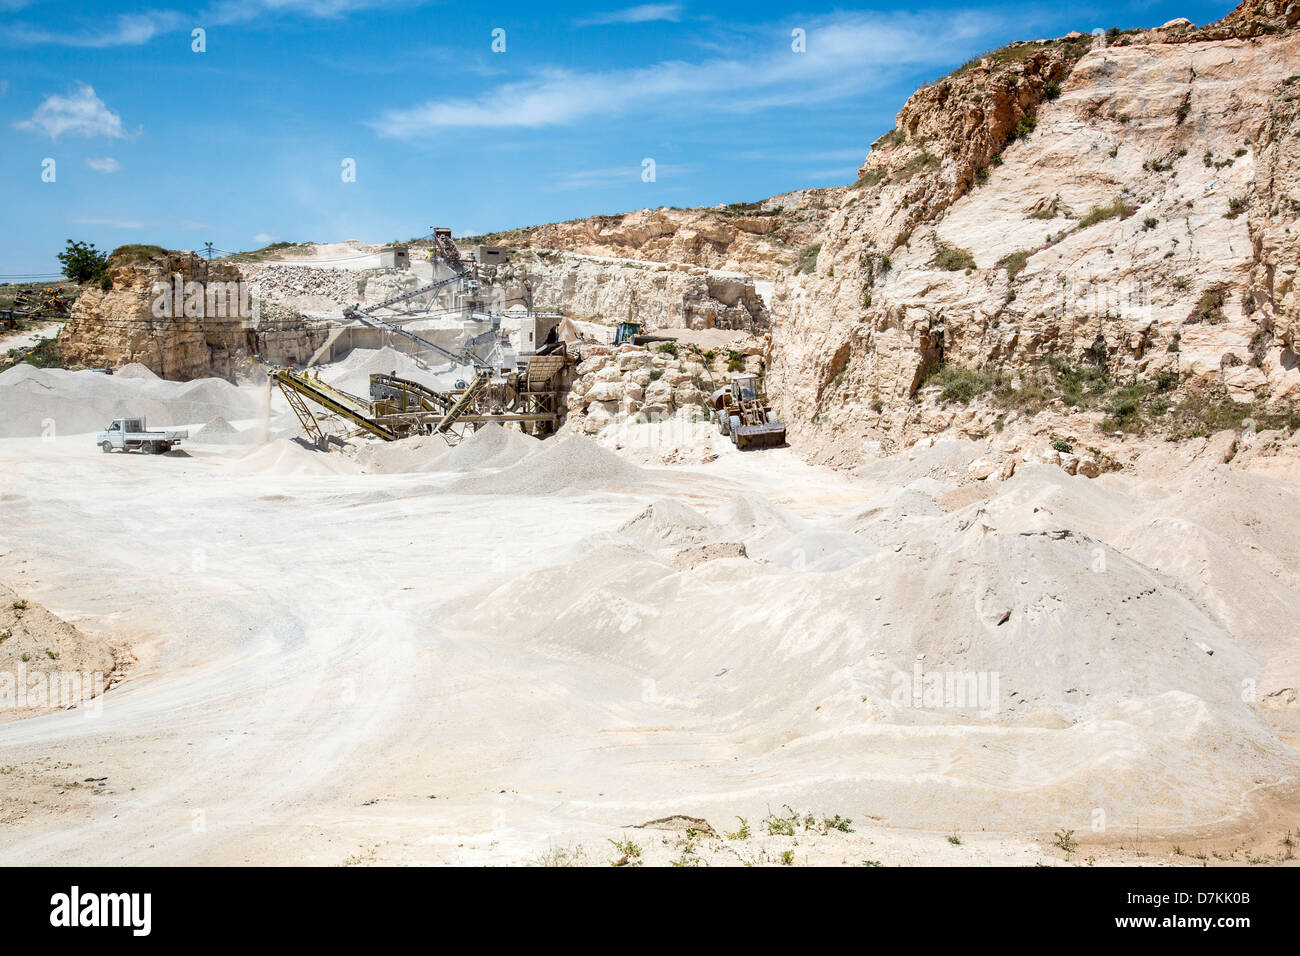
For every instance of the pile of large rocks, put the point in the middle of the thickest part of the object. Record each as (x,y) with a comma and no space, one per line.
(614,384)
(288,283)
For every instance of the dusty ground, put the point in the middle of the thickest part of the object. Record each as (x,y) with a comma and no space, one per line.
(498,654)
(41,329)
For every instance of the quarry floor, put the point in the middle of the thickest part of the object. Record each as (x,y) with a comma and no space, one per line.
(335,667)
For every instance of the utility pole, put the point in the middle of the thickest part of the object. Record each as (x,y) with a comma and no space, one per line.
(208,247)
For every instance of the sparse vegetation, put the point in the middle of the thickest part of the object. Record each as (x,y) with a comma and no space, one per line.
(1013,262)
(629,853)
(562,856)
(1024,126)
(1119,209)
(740,833)
(871,177)
(780,826)
(808,258)
(890,139)
(1209,307)
(922,161)
(1066,841)
(134,254)
(953,259)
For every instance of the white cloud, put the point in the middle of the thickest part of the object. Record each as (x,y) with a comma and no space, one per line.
(612,176)
(847,55)
(4,87)
(265,238)
(81,113)
(240,11)
(134,29)
(112,223)
(128,29)
(103,164)
(645,13)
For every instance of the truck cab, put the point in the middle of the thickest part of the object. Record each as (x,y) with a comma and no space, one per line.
(627,332)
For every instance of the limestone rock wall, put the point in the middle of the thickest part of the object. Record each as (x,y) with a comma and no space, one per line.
(115,327)
(660,295)
(1147,213)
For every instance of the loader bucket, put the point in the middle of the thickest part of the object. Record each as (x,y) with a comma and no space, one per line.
(760,436)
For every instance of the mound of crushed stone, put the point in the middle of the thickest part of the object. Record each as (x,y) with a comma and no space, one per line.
(218,432)
(136,370)
(60,665)
(669,523)
(492,446)
(85,401)
(1048,686)
(575,463)
(418,453)
(284,457)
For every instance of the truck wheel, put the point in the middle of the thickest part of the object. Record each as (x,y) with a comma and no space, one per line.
(105,447)
(148,448)
(732,426)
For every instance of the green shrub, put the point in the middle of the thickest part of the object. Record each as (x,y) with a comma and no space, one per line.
(1024,126)
(952,259)
(960,385)
(1209,307)
(82,262)
(1013,262)
(1119,209)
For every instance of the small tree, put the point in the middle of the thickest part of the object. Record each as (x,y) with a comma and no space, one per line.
(82,262)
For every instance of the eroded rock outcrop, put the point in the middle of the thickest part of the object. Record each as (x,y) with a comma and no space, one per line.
(659,295)
(1128,201)
(115,326)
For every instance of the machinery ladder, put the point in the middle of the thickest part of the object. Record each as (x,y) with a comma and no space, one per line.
(297,386)
(463,402)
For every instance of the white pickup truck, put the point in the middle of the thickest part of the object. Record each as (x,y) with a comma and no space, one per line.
(131,434)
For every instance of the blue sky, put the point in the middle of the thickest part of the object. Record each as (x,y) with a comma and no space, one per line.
(245,143)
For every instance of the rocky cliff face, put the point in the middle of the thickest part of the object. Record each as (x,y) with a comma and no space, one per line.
(610,290)
(1125,205)
(759,239)
(117,326)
